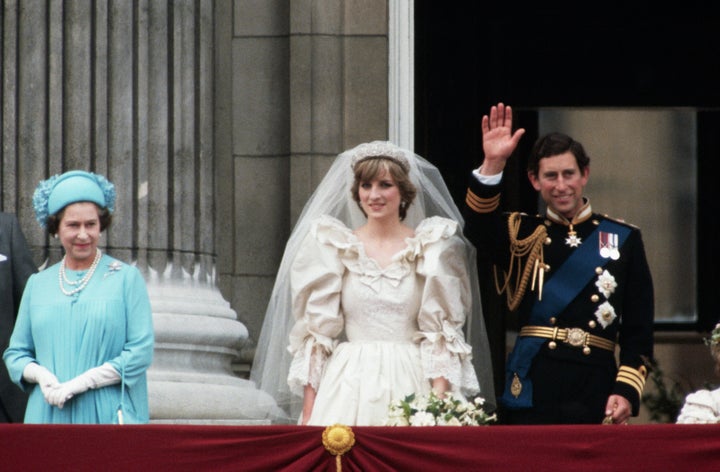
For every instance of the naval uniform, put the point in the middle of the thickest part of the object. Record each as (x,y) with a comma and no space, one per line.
(581,289)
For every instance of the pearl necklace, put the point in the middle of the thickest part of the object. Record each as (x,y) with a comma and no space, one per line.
(82,283)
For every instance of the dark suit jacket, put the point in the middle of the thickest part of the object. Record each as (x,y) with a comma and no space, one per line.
(16,265)
(633,298)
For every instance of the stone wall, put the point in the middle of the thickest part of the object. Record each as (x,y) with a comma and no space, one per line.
(296,83)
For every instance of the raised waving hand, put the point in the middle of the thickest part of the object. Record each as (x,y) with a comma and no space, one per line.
(499,141)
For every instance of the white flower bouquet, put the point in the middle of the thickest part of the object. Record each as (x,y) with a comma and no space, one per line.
(431,410)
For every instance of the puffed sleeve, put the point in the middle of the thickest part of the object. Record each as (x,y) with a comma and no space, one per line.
(701,407)
(446,301)
(316,282)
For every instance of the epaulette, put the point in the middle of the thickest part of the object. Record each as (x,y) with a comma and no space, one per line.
(620,221)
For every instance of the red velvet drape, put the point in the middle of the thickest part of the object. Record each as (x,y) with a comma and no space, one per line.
(180,448)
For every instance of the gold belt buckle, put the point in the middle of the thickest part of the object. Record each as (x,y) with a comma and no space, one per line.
(575,337)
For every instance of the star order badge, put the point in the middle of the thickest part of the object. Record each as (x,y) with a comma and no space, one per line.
(572,240)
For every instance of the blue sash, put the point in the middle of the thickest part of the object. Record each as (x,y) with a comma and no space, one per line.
(558,292)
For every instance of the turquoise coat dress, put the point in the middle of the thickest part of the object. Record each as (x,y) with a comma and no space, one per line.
(110,320)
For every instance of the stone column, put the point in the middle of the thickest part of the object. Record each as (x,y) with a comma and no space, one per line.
(125,89)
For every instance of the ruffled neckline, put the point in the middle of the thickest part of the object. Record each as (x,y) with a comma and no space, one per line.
(333,232)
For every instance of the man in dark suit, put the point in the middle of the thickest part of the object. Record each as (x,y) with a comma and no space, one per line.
(578,280)
(16,265)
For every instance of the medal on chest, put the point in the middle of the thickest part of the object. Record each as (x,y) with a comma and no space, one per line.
(584,213)
(609,247)
(572,240)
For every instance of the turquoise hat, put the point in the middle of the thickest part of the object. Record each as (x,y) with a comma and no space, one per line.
(57,192)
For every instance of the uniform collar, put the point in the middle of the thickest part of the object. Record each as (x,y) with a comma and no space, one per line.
(582,215)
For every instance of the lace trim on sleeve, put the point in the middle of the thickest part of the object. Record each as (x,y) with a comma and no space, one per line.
(446,354)
(307,367)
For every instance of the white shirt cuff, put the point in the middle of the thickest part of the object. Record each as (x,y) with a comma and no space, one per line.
(487,179)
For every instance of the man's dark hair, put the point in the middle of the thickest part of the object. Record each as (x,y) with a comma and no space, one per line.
(554,144)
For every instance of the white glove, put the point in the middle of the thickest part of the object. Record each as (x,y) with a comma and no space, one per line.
(94,378)
(65,391)
(35,373)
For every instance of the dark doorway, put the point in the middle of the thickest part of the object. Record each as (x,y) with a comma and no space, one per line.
(469,57)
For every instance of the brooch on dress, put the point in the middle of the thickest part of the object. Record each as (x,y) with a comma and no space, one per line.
(113,267)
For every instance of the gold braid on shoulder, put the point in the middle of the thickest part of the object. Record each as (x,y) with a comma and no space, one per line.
(526,258)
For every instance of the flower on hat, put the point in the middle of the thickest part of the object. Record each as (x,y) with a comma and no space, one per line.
(102,193)
(108,190)
(40,199)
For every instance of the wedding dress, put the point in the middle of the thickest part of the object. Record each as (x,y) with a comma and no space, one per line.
(366,335)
